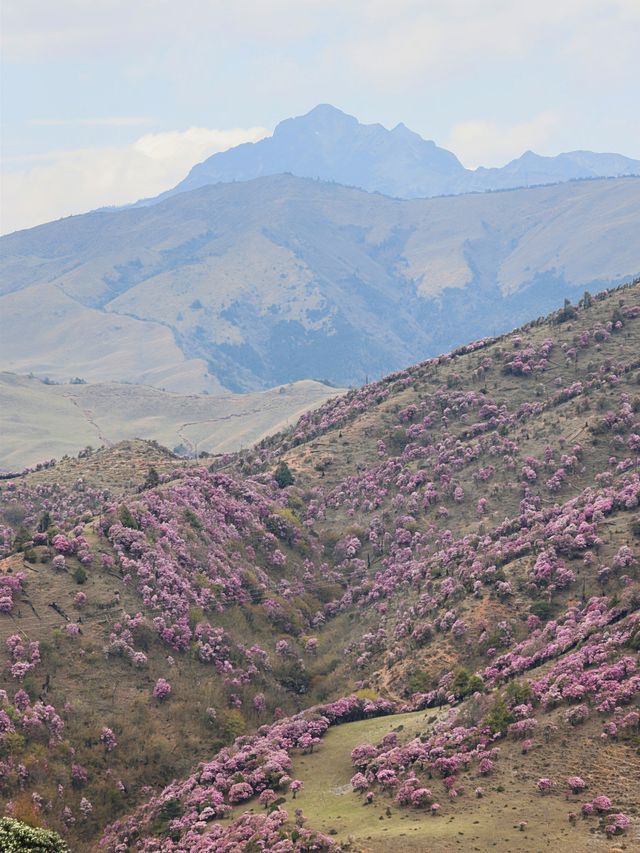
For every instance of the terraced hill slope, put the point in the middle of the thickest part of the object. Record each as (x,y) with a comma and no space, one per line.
(460,544)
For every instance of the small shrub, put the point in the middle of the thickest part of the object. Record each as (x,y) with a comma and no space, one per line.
(127,519)
(519,692)
(542,609)
(18,837)
(283,475)
(232,723)
(191,518)
(152,479)
(499,716)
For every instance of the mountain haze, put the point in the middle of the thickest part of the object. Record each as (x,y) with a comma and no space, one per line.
(253,284)
(333,146)
(41,421)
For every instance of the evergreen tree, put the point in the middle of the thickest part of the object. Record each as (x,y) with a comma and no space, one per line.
(283,475)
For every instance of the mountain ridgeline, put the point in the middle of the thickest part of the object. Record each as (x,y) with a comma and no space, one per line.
(330,145)
(246,285)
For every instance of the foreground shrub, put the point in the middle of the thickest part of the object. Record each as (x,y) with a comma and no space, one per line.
(17,837)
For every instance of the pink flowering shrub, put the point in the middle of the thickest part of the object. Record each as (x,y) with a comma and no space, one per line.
(576,784)
(617,824)
(161,690)
(11,587)
(239,792)
(79,775)
(601,803)
(544,785)
(23,657)
(108,739)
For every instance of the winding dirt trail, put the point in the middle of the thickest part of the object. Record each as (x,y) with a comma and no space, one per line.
(88,416)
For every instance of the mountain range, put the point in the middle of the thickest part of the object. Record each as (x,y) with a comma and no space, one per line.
(330,145)
(243,286)
(408,621)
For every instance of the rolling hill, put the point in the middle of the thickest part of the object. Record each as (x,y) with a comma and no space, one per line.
(40,421)
(244,286)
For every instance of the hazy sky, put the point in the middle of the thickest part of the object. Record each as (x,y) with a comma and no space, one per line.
(107,101)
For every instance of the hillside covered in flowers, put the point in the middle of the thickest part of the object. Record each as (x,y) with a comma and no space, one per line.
(410,622)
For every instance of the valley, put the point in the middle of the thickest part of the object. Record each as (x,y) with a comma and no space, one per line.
(425,593)
(320,430)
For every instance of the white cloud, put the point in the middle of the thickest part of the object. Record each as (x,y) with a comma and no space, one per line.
(383,42)
(35,29)
(410,40)
(487,143)
(190,146)
(41,188)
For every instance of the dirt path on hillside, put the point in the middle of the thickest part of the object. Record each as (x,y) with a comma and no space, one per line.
(87,414)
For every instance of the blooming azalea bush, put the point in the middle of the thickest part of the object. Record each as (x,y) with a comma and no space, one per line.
(576,784)
(617,824)
(161,690)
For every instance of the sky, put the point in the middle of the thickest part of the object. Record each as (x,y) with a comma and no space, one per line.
(108,101)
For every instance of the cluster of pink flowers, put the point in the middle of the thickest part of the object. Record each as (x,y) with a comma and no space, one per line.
(108,739)
(161,690)
(528,360)
(68,509)
(545,785)
(23,658)
(10,588)
(34,720)
(617,824)
(211,540)
(451,749)
(168,571)
(253,766)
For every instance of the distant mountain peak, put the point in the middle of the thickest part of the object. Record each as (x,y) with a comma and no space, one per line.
(323,116)
(332,145)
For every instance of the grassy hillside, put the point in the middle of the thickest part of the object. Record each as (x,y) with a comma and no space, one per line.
(40,421)
(460,544)
(256,284)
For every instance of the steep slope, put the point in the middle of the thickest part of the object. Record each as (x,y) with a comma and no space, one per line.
(261,283)
(460,545)
(333,146)
(45,331)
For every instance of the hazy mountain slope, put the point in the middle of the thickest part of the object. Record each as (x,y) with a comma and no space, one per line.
(460,547)
(46,331)
(531,169)
(268,281)
(328,144)
(39,421)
